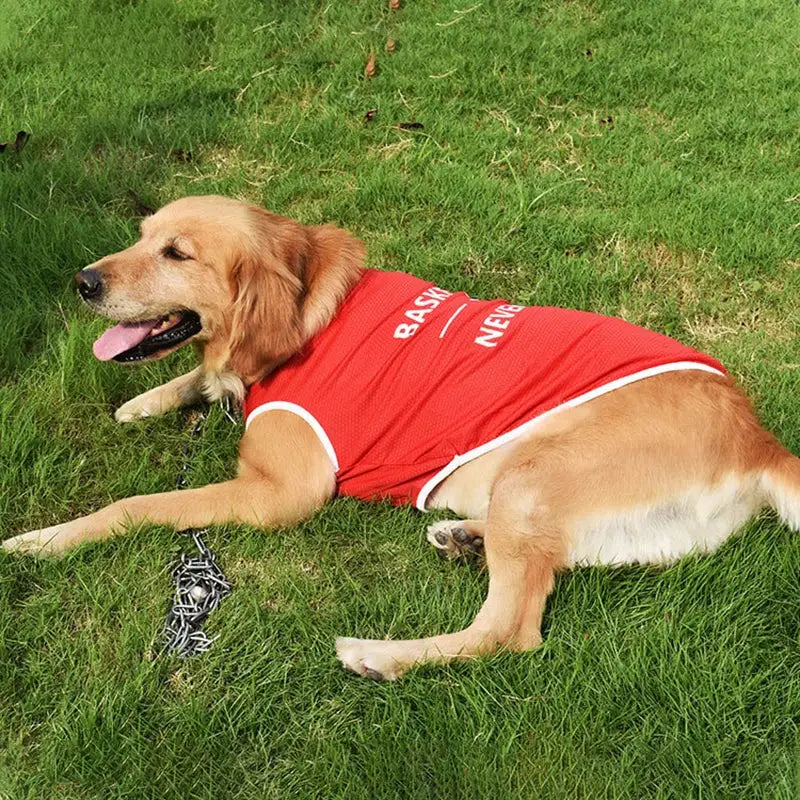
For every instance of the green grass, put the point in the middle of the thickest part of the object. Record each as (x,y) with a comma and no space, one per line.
(680,213)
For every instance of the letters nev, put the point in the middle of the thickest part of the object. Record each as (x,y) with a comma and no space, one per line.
(494,326)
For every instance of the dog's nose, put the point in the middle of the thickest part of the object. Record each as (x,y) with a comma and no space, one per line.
(90,284)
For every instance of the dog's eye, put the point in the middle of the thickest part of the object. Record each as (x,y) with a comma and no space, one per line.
(172,252)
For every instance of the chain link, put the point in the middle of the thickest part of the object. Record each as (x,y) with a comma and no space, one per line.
(200,583)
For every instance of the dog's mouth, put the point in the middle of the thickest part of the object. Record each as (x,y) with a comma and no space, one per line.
(148,339)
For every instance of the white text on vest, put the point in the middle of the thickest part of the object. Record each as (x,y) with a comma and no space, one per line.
(423,305)
(494,326)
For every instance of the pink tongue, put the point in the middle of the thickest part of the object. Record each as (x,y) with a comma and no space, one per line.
(122,337)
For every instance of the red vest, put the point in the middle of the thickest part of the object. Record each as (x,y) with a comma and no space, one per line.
(410,381)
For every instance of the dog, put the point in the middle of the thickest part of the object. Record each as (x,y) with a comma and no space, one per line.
(642,462)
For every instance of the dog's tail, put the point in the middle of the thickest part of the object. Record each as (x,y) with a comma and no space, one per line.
(780,482)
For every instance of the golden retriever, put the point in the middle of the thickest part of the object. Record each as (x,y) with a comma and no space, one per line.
(658,468)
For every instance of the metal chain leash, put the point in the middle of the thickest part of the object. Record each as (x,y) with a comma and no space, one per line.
(200,583)
(200,586)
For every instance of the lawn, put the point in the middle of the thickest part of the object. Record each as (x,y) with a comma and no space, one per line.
(640,159)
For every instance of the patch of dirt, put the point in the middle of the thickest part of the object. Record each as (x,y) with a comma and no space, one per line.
(571,12)
(212,163)
(714,304)
(653,119)
(180,682)
(392,149)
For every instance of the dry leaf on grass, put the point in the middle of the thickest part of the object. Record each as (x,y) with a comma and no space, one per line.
(371,68)
(390,45)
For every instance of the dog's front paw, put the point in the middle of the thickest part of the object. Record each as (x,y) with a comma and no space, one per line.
(138,408)
(370,658)
(451,539)
(45,542)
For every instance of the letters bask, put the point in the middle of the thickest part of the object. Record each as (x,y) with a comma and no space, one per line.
(423,305)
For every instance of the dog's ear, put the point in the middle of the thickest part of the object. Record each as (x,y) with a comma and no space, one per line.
(266,326)
(333,266)
(289,281)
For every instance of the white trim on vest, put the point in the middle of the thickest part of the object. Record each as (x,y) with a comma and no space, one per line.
(528,426)
(293,408)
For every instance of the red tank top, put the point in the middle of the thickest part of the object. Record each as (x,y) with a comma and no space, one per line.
(411,381)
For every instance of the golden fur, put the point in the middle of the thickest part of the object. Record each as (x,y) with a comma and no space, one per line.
(649,472)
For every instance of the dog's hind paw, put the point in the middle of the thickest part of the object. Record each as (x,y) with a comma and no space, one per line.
(452,538)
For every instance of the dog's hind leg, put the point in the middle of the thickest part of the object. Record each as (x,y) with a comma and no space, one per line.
(661,468)
(524,544)
(388,660)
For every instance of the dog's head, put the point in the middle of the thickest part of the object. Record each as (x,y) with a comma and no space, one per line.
(248,286)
